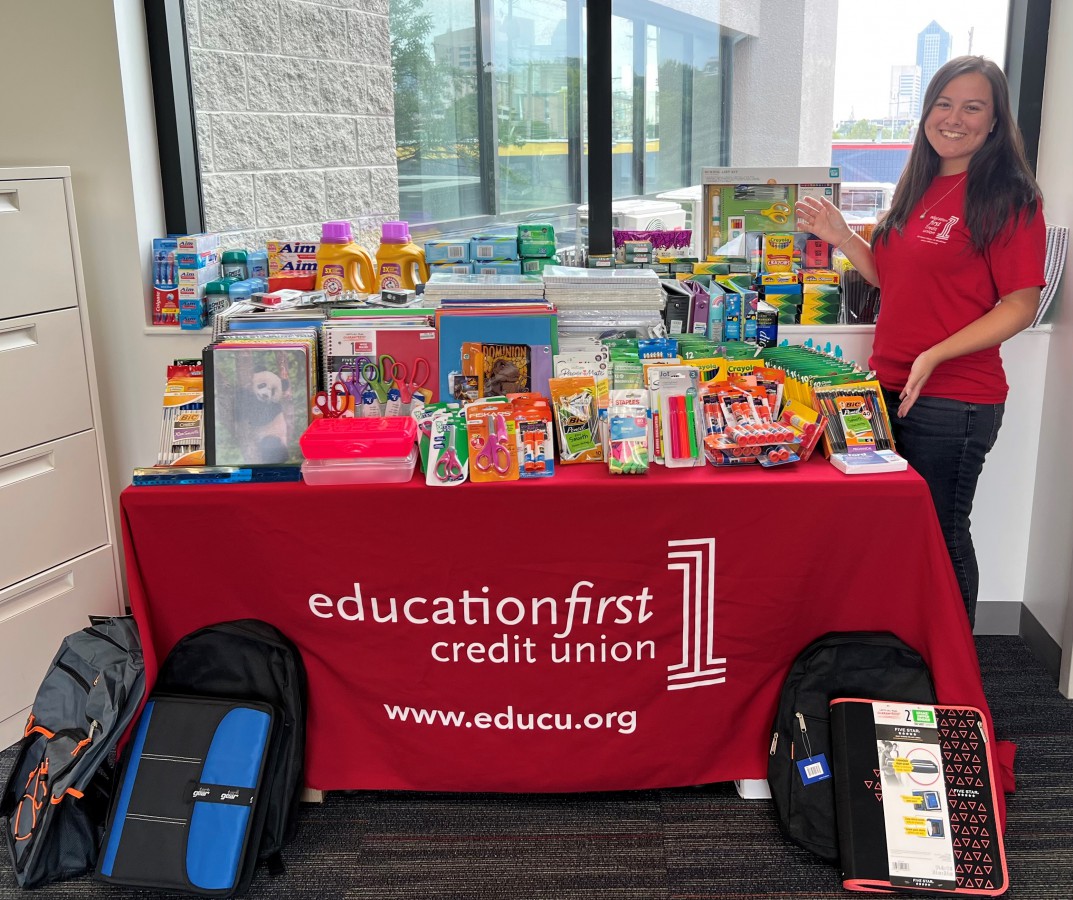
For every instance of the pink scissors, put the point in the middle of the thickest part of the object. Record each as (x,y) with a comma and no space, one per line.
(495,453)
(408,384)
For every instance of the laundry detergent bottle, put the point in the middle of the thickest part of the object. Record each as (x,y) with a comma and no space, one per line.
(343,265)
(397,258)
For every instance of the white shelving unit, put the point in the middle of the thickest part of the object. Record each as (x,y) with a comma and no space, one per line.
(58,552)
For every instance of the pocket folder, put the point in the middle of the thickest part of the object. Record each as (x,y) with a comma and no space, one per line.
(915,799)
(187,814)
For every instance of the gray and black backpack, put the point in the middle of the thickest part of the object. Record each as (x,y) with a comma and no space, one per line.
(55,801)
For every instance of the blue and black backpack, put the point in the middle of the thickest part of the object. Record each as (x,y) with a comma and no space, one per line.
(210,780)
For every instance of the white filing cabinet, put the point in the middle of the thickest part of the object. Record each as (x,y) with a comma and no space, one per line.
(58,553)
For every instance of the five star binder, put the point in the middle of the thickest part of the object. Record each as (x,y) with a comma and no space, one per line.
(915,799)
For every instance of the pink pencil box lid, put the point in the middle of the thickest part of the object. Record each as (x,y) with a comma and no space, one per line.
(362,438)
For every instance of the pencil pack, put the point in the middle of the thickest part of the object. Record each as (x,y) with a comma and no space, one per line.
(182,427)
(575,404)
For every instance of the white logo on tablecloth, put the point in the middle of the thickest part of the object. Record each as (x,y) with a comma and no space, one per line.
(699,667)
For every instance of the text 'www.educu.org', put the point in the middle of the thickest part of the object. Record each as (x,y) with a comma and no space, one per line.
(625,722)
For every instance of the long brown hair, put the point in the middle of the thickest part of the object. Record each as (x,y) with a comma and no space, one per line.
(999,182)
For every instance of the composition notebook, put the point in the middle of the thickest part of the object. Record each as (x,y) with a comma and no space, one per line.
(915,799)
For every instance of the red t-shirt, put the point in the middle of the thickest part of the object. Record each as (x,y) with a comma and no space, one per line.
(933,283)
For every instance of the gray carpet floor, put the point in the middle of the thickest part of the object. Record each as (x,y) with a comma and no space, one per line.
(682,844)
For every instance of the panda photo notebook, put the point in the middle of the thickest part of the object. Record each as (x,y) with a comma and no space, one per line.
(260,400)
(915,799)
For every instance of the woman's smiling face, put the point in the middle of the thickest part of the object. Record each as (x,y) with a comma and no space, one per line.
(960,120)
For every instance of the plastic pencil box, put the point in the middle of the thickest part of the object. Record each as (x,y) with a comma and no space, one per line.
(359,451)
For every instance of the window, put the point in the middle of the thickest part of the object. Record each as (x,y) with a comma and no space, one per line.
(879,85)
(460,115)
(477,151)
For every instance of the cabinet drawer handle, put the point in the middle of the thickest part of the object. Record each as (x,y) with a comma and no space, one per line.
(9,200)
(18,338)
(22,469)
(27,599)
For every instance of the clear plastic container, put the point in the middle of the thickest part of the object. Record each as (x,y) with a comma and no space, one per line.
(359,471)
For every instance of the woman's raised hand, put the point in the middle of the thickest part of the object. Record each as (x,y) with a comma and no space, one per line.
(822,218)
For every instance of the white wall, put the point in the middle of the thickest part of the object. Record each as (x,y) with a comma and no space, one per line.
(65,67)
(1048,593)
(772,126)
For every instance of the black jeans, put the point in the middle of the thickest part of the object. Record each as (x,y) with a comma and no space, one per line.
(946,442)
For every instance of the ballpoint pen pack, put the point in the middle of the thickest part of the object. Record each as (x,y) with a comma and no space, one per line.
(858,437)
(182,429)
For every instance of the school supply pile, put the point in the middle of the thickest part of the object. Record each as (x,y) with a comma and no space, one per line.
(495,440)
(531,324)
(306,310)
(211,777)
(259,388)
(374,366)
(55,800)
(574,288)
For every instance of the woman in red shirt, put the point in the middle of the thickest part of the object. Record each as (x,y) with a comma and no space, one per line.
(959,262)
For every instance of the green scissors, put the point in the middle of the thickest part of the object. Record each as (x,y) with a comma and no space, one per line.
(377,373)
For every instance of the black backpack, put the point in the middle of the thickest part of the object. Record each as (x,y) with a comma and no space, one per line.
(248,659)
(55,801)
(873,665)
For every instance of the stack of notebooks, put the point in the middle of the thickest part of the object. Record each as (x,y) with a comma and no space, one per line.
(593,300)
(447,288)
(916,802)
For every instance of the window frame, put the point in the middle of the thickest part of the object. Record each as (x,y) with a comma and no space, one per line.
(169,58)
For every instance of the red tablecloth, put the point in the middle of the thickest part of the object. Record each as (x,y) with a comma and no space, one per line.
(583,632)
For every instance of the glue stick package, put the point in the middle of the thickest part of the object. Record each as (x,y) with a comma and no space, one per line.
(536,446)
